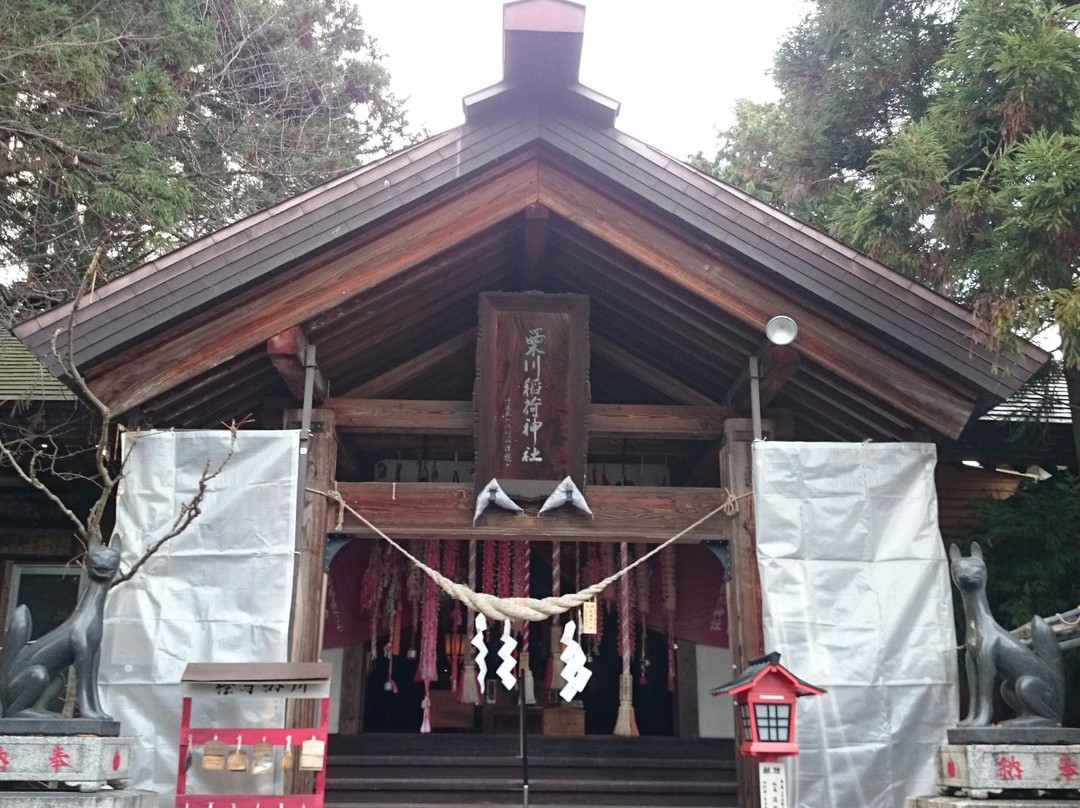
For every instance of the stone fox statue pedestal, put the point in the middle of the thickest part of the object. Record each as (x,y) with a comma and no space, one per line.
(1031,754)
(31,673)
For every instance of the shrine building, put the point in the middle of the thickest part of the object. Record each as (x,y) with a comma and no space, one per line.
(532,296)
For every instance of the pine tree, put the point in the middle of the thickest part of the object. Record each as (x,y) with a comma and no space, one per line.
(850,74)
(981,197)
(128,128)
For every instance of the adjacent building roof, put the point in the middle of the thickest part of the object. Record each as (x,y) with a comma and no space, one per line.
(23,377)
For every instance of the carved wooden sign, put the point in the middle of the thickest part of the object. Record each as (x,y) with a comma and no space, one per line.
(532,388)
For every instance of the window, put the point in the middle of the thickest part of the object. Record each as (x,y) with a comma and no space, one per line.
(773,722)
(49,592)
(747,732)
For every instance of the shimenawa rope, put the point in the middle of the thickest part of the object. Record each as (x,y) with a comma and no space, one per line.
(533,609)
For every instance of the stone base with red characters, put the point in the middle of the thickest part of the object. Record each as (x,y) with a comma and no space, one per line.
(1000,802)
(982,770)
(85,762)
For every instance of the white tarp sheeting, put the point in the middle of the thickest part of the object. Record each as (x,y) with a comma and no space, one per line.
(855,590)
(219,592)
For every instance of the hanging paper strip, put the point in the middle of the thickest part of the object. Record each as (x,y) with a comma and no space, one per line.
(505,566)
(669,612)
(414,586)
(428,671)
(526,652)
(370,593)
(469,693)
(481,651)
(596,574)
(505,671)
(489,566)
(642,586)
(450,570)
(573,661)
(516,564)
(607,568)
(554,668)
(392,597)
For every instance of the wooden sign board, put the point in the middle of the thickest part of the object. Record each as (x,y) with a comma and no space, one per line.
(532,389)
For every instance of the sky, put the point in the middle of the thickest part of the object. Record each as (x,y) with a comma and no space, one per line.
(676,66)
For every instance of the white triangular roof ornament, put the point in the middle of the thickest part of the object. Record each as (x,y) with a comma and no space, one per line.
(566,493)
(494,495)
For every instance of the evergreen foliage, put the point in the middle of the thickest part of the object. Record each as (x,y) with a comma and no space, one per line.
(851,73)
(131,127)
(1031,549)
(1032,556)
(963,171)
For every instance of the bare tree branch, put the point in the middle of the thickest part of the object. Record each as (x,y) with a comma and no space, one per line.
(189,511)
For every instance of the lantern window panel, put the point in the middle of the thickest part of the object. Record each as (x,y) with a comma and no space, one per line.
(748,733)
(773,722)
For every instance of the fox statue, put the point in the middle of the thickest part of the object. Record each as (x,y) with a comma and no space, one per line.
(1032,679)
(30,671)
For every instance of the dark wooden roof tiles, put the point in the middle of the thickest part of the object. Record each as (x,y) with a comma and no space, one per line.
(752,236)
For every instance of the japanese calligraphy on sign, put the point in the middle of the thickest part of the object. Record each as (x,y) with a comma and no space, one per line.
(772,785)
(532,388)
(59,759)
(1009,768)
(532,394)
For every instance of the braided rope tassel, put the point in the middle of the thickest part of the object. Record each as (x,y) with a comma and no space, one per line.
(428,669)
(555,663)
(669,613)
(528,682)
(469,694)
(625,723)
(642,585)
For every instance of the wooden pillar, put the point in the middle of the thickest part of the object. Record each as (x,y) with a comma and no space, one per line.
(353,677)
(306,625)
(744,589)
(309,588)
(686,699)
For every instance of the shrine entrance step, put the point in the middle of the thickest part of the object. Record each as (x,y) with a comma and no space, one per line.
(454,770)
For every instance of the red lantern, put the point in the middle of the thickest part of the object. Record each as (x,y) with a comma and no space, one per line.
(765,694)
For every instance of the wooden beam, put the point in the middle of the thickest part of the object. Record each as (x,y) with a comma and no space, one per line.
(534,252)
(642,421)
(305,632)
(686,690)
(400,416)
(180,353)
(445,511)
(672,421)
(395,378)
(644,372)
(777,364)
(307,617)
(286,351)
(354,674)
(859,358)
(745,627)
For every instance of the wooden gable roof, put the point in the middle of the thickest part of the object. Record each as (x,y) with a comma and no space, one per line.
(381,268)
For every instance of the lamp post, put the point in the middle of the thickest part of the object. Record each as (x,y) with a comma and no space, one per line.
(780,330)
(765,694)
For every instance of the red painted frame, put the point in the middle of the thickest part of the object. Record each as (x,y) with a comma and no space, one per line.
(196,736)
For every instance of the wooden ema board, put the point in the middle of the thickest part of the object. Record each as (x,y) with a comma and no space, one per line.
(532,387)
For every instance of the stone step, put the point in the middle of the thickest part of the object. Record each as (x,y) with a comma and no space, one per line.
(398,791)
